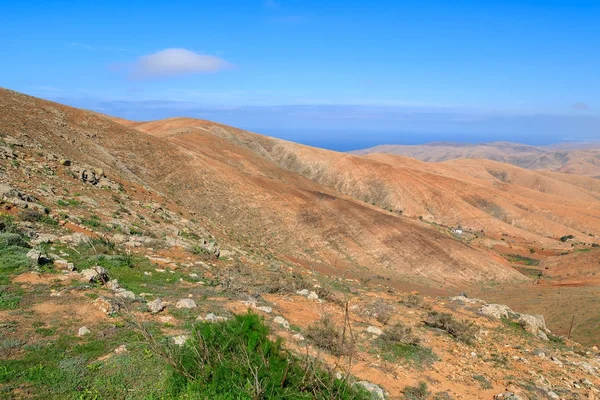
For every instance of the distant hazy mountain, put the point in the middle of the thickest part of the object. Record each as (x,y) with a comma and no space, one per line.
(570,158)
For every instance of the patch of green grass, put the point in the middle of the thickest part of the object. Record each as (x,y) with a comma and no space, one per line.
(518,259)
(237,360)
(46,331)
(483,382)
(415,355)
(10,297)
(420,392)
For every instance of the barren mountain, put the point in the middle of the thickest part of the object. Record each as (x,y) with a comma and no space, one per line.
(228,178)
(569,158)
(161,260)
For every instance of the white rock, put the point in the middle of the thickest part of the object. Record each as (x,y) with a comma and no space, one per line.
(497,311)
(298,337)
(265,309)
(312,296)
(125,294)
(155,306)
(180,340)
(83,331)
(303,292)
(282,321)
(185,303)
(374,330)
(121,349)
(372,388)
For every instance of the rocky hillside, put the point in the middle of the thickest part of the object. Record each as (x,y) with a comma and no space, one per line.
(134,266)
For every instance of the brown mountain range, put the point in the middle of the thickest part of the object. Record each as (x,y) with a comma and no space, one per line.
(569,158)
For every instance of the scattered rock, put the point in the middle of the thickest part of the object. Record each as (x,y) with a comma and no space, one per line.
(121,349)
(186,303)
(156,306)
(552,395)
(372,388)
(180,340)
(125,294)
(83,331)
(211,318)
(95,274)
(106,305)
(533,323)
(497,311)
(298,337)
(467,300)
(375,330)
(282,321)
(312,296)
(303,292)
(507,396)
(64,265)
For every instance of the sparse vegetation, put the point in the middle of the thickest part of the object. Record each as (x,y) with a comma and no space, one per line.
(420,392)
(566,238)
(236,359)
(326,335)
(463,331)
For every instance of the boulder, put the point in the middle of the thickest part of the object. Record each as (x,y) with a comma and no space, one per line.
(533,323)
(376,391)
(185,303)
(156,306)
(374,330)
(282,321)
(95,274)
(83,331)
(106,305)
(497,311)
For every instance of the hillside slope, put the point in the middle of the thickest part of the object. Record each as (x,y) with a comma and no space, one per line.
(579,159)
(223,176)
(497,198)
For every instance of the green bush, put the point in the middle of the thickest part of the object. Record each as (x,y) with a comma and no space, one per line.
(463,331)
(327,336)
(416,392)
(13,252)
(236,360)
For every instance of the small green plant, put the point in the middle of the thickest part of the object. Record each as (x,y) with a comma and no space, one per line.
(236,359)
(463,331)
(483,382)
(327,336)
(566,237)
(420,392)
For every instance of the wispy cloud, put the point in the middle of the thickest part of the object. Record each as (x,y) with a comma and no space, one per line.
(174,62)
(581,106)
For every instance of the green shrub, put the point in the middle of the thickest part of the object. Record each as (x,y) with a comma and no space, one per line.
(463,331)
(236,360)
(327,336)
(416,392)
(13,252)
(400,333)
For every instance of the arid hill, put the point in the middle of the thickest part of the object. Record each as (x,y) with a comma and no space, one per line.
(231,181)
(496,199)
(163,259)
(568,158)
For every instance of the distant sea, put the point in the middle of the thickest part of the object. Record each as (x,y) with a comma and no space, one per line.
(348,140)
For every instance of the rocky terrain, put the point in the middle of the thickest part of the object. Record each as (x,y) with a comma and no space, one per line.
(122,244)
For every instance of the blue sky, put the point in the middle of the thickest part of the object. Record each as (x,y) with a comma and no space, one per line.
(361,72)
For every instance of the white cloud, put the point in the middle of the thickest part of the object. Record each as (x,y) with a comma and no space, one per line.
(173,62)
